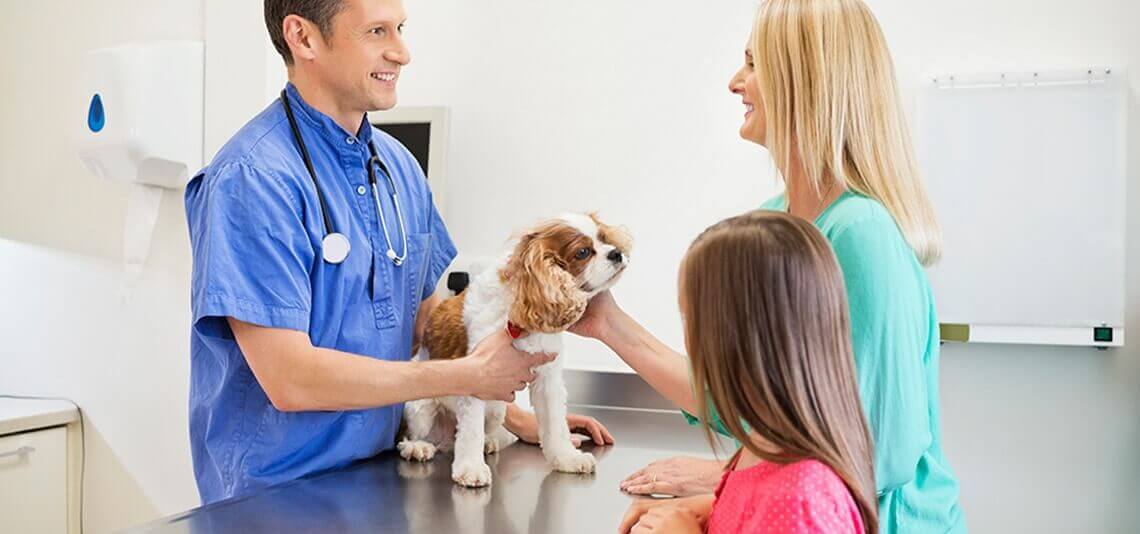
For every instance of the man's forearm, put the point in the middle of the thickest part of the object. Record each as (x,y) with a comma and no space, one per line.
(300,377)
(334,380)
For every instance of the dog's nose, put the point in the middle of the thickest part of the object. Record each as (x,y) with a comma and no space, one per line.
(614,256)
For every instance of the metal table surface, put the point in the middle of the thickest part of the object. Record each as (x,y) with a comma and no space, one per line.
(389,495)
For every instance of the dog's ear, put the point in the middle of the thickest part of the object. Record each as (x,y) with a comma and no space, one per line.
(618,236)
(546,297)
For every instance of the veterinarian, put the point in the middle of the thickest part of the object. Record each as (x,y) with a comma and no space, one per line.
(316,250)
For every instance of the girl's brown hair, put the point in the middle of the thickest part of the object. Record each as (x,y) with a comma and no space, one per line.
(768,336)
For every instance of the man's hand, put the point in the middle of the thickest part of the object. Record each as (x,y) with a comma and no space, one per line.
(667,515)
(525,425)
(680,476)
(495,370)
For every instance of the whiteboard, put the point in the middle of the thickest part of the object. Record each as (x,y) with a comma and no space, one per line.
(1027,174)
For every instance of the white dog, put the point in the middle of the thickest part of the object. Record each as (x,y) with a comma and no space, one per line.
(536,292)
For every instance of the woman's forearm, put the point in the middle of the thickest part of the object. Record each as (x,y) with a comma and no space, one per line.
(666,370)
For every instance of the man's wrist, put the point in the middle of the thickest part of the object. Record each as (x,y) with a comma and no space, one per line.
(455,377)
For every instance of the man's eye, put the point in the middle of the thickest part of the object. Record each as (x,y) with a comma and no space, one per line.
(584,253)
(378,31)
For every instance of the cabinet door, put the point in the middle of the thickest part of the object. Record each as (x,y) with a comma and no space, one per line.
(33,481)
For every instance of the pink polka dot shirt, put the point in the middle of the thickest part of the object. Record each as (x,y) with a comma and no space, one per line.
(801,497)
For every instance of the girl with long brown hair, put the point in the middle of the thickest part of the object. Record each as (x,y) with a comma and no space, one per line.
(768,335)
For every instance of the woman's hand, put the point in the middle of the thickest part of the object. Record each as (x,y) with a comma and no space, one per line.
(524,424)
(680,476)
(667,515)
(600,315)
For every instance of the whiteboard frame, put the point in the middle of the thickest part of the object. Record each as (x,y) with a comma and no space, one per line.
(1068,335)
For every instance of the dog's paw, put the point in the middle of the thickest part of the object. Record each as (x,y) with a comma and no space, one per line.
(574,462)
(417,451)
(471,475)
(490,445)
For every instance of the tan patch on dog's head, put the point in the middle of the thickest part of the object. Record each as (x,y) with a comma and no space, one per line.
(618,236)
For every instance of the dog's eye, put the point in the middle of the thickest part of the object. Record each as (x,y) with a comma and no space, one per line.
(584,253)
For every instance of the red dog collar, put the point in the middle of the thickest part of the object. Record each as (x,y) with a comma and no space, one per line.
(513,330)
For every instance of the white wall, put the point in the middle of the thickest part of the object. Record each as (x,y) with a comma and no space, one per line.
(615,106)
(64,331)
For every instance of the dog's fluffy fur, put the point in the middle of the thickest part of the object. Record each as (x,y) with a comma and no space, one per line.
(542,286)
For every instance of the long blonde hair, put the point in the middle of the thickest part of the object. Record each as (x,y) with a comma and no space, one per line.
(769,338)
(829,91)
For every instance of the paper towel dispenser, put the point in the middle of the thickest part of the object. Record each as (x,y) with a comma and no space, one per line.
(141,115)
(138,120)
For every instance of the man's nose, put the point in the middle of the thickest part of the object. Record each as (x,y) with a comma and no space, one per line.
(399,54)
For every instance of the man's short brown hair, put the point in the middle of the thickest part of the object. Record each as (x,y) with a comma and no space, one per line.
(319,12)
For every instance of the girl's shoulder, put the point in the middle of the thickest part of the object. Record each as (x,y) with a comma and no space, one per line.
(796,481)
(808,477)
(803,496)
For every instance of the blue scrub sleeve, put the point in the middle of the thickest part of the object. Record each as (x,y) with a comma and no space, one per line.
(252,254)
(442,252)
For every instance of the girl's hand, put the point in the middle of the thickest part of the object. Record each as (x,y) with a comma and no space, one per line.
(667,515)
(525,425)
(668,519)
(680,476)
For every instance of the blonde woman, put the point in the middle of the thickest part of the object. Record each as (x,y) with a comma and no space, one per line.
(819,93)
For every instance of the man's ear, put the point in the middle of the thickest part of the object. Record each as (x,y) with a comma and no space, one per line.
(303,37)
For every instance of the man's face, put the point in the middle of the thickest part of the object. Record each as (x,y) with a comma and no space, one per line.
(365,53)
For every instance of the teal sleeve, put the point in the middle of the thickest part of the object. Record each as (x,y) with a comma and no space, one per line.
(890,311)
(715,423)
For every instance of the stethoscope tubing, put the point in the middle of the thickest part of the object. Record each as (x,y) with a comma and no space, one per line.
(335,247)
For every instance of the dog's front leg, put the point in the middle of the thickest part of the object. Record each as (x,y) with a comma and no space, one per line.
(469,468)
(548,395)
(420,416)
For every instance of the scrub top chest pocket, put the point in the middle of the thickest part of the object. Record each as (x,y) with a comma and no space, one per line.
(399,289)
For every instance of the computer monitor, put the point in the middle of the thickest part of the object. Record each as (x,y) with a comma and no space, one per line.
(424,131)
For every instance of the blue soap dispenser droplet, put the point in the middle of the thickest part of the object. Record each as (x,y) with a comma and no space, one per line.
(96,119)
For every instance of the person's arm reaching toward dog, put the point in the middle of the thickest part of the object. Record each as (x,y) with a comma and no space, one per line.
(300,377)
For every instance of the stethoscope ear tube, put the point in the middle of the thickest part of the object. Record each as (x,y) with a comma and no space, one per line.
(308,164)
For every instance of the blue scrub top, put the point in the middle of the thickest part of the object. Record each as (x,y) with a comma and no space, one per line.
(255,230)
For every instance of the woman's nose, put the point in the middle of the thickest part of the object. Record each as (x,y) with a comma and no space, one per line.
(736,85)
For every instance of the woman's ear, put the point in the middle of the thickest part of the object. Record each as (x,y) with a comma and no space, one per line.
(546,297)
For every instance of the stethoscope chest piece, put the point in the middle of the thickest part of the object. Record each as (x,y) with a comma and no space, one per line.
(335,247)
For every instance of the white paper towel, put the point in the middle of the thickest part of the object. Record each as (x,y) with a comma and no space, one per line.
(142,215)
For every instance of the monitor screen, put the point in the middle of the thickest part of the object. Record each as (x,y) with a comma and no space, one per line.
(414,135)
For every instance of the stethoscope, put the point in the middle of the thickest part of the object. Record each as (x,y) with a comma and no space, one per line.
(335,246)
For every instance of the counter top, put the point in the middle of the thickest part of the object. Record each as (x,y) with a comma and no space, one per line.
(21,415)
(389,495)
